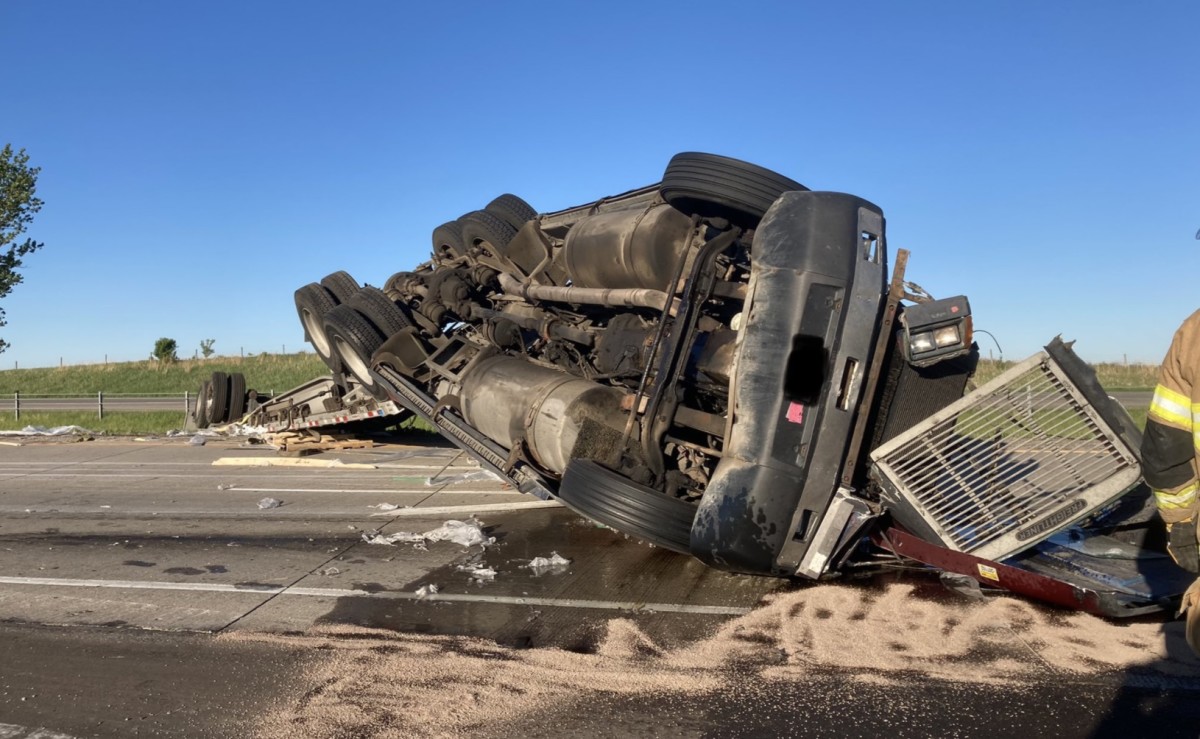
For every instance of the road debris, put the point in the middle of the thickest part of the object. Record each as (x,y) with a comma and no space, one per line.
(554,563)
(472,476)
(197,440)
(384,506)
(266,503)
(463,533)
(427,590)
(478,572)
(331,571)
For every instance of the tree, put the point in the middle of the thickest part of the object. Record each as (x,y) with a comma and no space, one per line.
(18,204)
(164,350)
(206,347)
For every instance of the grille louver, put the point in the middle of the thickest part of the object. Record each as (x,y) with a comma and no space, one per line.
(1006,466)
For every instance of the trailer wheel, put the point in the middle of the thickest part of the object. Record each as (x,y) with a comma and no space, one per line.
(512,210)
(341,285)
(717,186)
(218,412)
(237,396)
(481,227)
(380,310)
(200,410)
(614,500)
(313,303)
(354,340)
(448,241)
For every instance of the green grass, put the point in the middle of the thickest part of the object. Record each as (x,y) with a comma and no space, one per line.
(266,372)
(1112,375)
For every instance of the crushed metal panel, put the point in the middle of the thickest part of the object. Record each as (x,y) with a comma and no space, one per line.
(1007,465)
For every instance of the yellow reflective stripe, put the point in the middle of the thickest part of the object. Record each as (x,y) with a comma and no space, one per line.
(1172,407)
(1184,498)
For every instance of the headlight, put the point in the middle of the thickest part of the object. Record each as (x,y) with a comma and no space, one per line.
(947,336)
(937,330)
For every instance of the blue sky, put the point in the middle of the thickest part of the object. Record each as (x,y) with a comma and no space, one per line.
(201,161)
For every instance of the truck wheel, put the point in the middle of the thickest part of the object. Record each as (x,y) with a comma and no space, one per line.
(448,241)
(218,412)
(614,500)
(512,210)
(380,310)
(717,186)
(313,303)
(200,411)
(237,396)
(354,339)
(341,285)
(481,227)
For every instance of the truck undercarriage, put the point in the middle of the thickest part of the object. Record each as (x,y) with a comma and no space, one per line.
(726,365)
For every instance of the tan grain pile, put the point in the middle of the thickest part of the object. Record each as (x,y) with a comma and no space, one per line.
(384,684)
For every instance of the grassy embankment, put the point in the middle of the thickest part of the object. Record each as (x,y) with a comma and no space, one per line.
(278,372)
(267,372)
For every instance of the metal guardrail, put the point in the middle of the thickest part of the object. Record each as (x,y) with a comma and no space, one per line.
(101,402)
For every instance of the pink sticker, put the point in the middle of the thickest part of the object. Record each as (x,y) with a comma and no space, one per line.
(795,413)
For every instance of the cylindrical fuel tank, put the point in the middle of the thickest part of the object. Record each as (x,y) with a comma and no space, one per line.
(627,248)
(555,413)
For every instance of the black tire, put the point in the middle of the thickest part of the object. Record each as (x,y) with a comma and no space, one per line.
(355,340)
(717,186)
(512,210)
(341,285)
(313,303)
(237,396)
(480,227)
(200,411)
(448,241)
(380,310)
(614,500)
(218,411)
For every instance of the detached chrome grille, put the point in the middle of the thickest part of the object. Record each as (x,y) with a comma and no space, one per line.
(1006,466)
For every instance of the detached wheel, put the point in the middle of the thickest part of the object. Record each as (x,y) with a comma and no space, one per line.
(237,396)
(341,285)
(313,303)
(200,410)
(380,310)
(218,412)
(481,228)
(717,186)
(448,241)
(512,210)
(354,340)
(614,500)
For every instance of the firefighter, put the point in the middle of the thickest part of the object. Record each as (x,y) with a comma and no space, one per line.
(1171,459)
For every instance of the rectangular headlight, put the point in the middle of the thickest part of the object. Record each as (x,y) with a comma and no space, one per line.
(921,343)
(946,336)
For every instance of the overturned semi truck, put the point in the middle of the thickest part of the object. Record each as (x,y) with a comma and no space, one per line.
(732,366)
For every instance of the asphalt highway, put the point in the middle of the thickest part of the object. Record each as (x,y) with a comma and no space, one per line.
(144,591)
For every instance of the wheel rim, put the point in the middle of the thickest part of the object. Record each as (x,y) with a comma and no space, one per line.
(316,333)
(354,363)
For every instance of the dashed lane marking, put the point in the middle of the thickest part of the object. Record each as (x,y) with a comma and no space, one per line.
(384,595)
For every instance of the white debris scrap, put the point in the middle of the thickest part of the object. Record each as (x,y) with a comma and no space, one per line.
(427,590)
(554,563)
(54,431)
(197,440)
(478,572)
(473,476)
(385,506)
(266,503)
(463,533)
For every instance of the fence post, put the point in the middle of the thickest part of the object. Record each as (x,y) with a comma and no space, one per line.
(100,404)
(17,405)
(187,405)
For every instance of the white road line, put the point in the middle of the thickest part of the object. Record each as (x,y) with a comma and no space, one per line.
(384,595)
(431,490)
(12,731)
(284,512)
